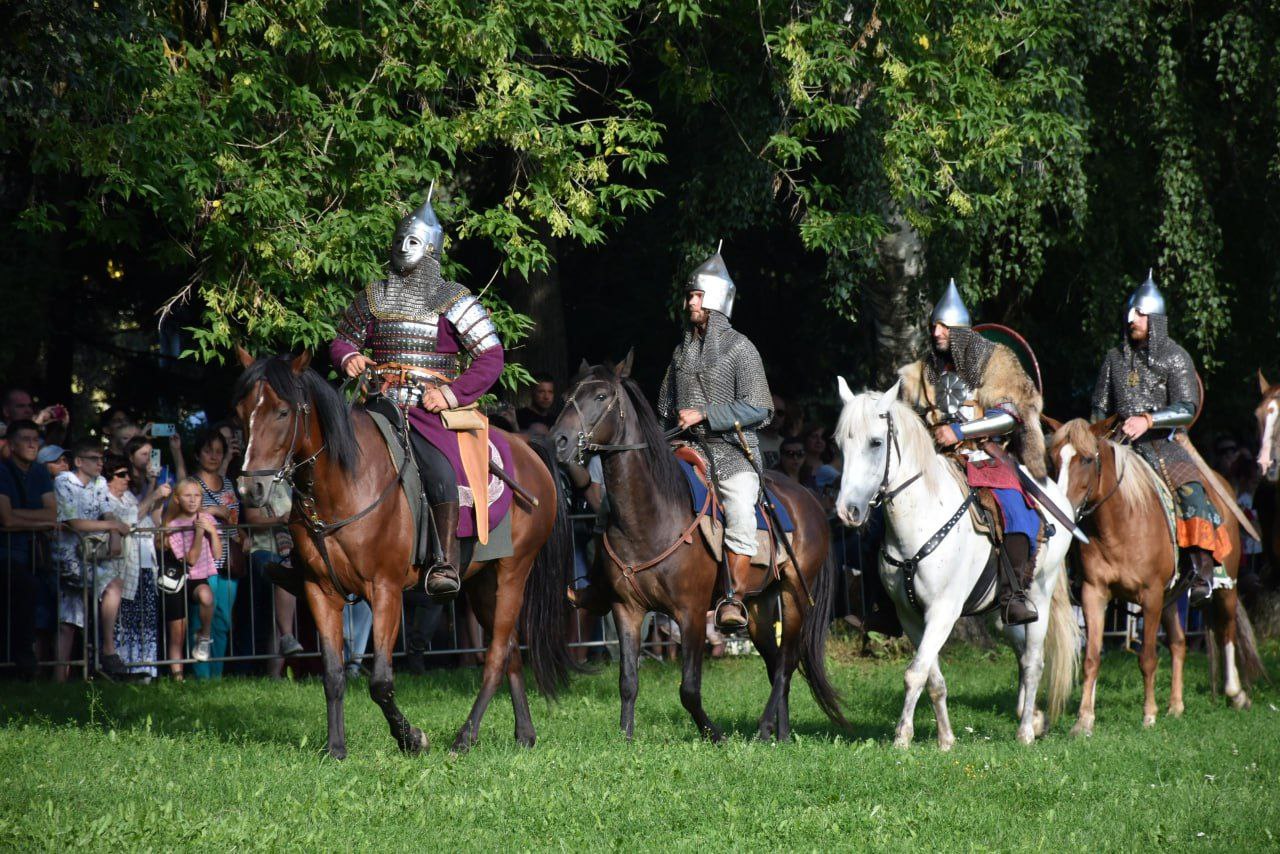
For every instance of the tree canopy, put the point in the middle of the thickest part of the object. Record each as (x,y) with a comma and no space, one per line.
(244,163)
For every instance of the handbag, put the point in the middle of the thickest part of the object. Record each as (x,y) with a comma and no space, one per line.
(95,547)
(467,417)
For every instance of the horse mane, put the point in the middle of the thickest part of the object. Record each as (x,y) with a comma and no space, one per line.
(914,441)
(1138,487)
(295,389)
(669,480)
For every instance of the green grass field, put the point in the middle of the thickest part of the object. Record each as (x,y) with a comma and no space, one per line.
(237,764)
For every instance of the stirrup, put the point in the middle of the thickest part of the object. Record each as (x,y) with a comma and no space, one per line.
(730,615)
(1025,611)
(1200,594)
(442,582)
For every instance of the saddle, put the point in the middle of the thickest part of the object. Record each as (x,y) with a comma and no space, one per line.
(769,552)
(390,422)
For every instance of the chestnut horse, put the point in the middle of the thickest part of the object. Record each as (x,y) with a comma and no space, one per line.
(1130,556)
(300,433)
(1268,413)
(651,519)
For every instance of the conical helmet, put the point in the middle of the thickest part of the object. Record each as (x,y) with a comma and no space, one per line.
(718,289)
(950,310)
(428,234)
(1146,299)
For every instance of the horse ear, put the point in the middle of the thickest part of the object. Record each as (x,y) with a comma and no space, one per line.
(246,359)
(887,399)
(1054,424)
(584,367)
(1263,385)
(301,362)
(1103,427)
(624,367)
(846,396)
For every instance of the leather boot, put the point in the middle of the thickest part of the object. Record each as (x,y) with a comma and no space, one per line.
(1015,608)
(443,581)
(731,613)
(1202,583)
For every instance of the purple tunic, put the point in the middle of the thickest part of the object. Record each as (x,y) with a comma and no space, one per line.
(477,379)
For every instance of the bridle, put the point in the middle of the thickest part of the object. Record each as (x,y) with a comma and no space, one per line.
(586,435)
(885,495)
(284,474)
(1087,509)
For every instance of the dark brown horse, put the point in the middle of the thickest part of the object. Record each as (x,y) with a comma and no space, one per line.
(650,514)
(298,426)
(1130,556)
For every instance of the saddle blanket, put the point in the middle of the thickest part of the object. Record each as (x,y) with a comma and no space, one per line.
(698,494)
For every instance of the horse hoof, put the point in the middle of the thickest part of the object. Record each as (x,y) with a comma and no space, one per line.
(1082,729)
(1026,735)
(903,739)
(946,742)
(526,739)
(1241,701)
(1176,711)
(338,751)
(1148,721)
(1037,723)
(417,742)
(714,736)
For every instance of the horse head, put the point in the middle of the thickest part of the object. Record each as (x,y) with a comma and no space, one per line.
(1075,454)
(594,409)
(275,408)
(1268,413)
(865,434)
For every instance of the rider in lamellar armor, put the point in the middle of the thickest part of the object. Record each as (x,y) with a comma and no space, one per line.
(434,348)
(1150,382)
(971,390)
(715,387)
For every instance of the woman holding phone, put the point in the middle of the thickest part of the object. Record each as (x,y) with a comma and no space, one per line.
(139,612)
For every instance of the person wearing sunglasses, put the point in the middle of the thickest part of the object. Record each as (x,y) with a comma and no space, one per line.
(83,499)
(791,457)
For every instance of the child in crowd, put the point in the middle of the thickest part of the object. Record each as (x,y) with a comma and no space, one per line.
(197,548)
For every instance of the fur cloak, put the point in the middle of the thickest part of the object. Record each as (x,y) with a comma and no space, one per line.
(1004,381)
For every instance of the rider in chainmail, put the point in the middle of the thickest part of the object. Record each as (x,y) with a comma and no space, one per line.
(435,348)
(970,391)
(715,387)
(1150,382)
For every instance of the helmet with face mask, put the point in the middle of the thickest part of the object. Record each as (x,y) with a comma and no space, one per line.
(418,235)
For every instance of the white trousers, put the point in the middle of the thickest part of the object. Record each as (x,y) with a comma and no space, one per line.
(738,494)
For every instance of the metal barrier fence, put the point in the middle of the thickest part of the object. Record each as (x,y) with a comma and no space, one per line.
(246,625)
(250,614)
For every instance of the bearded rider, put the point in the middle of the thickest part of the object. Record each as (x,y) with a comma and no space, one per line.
(715,388)
(1149,381)
(422,325)
(971,390)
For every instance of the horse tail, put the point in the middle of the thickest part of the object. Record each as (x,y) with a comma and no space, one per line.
(813,643)
(544,617)
(1062,648)
(1251,667)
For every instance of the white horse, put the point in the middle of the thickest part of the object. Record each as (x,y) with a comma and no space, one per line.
(889,455)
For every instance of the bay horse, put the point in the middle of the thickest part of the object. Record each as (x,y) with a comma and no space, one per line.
(300,433)
(670,569)
(1130,556)
(1268,413)
(889,457)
